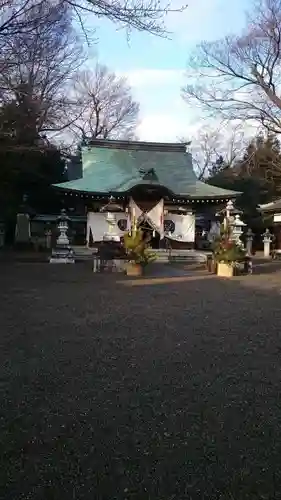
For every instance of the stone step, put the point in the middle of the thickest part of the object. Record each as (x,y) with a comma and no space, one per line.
(184,256)
(187,258)
(82,253)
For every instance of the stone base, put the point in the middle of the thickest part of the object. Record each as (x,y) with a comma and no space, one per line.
(111,237)
(62,241)
(61,260)
(62,256)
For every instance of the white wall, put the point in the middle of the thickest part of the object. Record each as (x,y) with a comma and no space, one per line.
(277,218)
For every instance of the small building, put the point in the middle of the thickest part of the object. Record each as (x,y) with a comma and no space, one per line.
(273,211)
(154,182)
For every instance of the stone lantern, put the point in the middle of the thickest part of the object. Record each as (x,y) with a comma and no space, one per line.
(267,240)
(62,253)
(111,235)
(110,208)
(63,228)
(237,226)
(227,213)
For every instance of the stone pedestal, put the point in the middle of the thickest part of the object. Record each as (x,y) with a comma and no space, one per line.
(266,248)
(249,242)
(62,256)
(111,237)
(249,246)
(267,240)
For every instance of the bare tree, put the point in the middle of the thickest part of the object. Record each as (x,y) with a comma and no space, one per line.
(211,145)
(241,74)
(143,15)
(206,149)
(14,16)
(40,69)
(109,108)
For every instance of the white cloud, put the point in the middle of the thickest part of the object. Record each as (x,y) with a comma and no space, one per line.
(168,126)
(153,77)
(160,127)
(171,127)
(164,115)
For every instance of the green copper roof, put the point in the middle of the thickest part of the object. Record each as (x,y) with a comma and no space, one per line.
(118,166)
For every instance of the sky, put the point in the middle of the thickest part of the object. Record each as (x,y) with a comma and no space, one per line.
(155,67)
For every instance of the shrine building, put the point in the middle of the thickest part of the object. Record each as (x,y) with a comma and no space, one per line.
(153,182)
(273,211)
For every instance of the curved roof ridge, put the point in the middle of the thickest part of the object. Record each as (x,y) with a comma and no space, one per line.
(138,145)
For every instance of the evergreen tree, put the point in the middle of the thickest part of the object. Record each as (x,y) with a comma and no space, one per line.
(257,175)
(29,163)
(262,160)
(218,167)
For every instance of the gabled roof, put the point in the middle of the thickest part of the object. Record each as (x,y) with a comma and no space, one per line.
(273,206)
(119,166)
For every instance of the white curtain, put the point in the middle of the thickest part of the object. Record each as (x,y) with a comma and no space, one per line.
(155,218)
(184,227)
(98,226)
(184,224)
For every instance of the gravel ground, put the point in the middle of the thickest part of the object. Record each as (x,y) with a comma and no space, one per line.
(156,392)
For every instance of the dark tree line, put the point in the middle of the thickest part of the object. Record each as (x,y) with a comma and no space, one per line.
(256,173)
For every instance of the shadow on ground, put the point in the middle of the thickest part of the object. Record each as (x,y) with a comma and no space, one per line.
(164,392)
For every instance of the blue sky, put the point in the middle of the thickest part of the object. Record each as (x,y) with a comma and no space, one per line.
(155,67)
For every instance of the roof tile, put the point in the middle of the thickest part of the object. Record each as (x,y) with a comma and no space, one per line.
(118,166)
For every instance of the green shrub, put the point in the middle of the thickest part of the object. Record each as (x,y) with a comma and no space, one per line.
(137,248)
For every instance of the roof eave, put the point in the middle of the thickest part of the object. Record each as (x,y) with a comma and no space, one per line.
(212,197)
(126,192)
(270,207)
